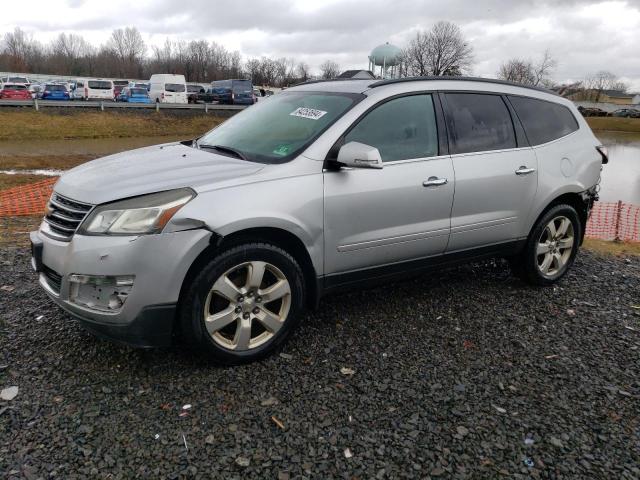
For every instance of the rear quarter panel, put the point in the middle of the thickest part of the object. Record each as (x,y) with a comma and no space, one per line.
(570,164)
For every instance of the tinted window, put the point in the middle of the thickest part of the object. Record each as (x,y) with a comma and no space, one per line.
(543,121)
(400,129)
(478,123)
(174,87)
(242,86)
(56,88)
(100,85)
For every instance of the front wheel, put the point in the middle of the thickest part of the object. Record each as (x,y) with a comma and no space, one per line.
(244,303)
(551,247)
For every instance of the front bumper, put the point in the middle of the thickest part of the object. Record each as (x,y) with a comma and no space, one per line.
(159,264)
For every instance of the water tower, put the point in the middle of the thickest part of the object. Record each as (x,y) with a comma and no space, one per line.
(387,57)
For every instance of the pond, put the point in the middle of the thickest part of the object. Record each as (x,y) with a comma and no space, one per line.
(621,176)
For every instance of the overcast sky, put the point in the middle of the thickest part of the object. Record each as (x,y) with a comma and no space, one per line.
(584,36)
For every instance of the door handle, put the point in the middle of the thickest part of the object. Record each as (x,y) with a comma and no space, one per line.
(524,170)
(434,182)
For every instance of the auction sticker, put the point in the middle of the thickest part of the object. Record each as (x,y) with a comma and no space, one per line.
(310,113)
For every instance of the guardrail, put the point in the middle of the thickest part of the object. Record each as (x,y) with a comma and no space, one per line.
(38,104)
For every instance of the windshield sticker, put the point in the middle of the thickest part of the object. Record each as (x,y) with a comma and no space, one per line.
(310,113)
(282,150)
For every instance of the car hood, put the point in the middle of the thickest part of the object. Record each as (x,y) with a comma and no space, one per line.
(148,170)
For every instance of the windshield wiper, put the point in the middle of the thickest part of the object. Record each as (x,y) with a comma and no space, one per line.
(222,148)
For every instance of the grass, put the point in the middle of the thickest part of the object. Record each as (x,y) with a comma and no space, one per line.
(9,181)
(28,125)
(612,248)
(614,124)
(55,162)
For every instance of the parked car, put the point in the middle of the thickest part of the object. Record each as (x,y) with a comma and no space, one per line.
(35,90)
(626,113)
(98,89)
(206,96)
(139,85)
(233,92)
(15,91)
(118,85)
(166,88)
(55,91)
(592,112)
(193,92)
(15,79)
(227,238)
(134,95)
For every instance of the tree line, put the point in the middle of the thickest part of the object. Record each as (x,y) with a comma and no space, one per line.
(126,55)
(441,50)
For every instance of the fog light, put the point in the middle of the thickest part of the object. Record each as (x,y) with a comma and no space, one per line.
(106,293)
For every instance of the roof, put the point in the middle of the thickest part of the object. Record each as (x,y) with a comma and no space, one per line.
(359,86)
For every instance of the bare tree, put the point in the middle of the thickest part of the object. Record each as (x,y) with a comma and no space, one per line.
(600,81)
(442,50)
(302,71)
(129,48)
(526,72)
(22,52)
(329,70)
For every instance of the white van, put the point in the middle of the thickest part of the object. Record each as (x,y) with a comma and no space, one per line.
(98,89)
(166,88)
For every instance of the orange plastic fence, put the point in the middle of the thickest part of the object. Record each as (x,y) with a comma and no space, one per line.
(614,221)
(28,199)
(608,221)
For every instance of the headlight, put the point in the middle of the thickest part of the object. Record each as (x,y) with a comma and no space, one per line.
(135,216)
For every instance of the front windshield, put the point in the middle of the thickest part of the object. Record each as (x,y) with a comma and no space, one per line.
(274,130)
(139,91)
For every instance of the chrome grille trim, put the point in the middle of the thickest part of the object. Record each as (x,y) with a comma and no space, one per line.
(64,216)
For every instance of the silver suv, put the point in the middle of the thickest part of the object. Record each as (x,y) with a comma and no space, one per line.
(227,238)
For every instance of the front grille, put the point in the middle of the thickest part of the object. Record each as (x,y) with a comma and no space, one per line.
(54,280)
(64,216)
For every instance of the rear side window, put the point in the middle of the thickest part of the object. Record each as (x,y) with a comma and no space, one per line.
(478,123)
(400,129)
(543,121)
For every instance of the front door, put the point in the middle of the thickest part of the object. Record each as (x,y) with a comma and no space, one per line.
(400,212)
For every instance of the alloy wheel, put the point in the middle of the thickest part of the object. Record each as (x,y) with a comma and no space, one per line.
(247,305)
(555,245)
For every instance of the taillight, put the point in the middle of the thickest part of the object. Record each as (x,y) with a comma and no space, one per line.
(86,92)
(604,153)
(162,95)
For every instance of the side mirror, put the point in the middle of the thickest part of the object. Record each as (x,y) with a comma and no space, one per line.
(359,155)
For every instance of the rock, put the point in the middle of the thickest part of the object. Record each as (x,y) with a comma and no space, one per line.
(556,442)
(210,440)
(347,371)
(462,431)
(9,393)
(437,472)
(269,402)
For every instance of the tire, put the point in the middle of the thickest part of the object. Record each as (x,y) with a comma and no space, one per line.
(268,323)
(536,266)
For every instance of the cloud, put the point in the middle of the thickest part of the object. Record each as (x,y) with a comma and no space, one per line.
(583,35)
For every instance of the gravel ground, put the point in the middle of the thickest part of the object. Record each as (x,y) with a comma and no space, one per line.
(462,374)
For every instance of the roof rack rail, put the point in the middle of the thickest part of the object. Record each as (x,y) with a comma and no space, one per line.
(309,82)
(391,81)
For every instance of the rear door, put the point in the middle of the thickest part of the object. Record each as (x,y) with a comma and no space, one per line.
(397,213)
(496,170)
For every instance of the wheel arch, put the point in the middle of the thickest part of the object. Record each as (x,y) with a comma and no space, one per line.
(580,201)
(276,236)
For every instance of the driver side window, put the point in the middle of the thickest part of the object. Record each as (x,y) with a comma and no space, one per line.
(401,129)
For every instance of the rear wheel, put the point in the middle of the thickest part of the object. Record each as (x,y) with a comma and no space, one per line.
(244,303)
(551,247)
